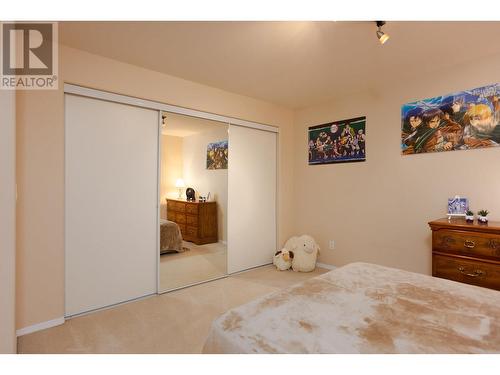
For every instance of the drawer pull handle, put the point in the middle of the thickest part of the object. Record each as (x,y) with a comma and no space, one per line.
(469,244)
(476,273)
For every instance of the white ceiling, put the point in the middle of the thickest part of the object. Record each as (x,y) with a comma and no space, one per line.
(184,126)
(295,64)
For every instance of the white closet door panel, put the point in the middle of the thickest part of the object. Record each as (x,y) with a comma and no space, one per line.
(251,198)
(111,203)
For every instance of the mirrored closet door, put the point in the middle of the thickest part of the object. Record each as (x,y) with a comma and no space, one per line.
(193,200)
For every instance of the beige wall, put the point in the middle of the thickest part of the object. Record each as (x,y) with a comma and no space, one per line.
(171,169)
(40,207)
(7,221)
(40,165)
(203,180)
(377,211)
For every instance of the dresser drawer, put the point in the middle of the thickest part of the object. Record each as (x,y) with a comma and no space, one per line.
(466,271)
(170,215)
(176,206)
(180,218)
(466,243)
(192,209)
(192,220)
(182,227)
(191,231)
(180,206)
(170,205)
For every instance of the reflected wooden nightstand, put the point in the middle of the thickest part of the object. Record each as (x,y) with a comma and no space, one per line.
(197,220)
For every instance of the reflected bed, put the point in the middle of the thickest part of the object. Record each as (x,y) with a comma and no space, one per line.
(170,237)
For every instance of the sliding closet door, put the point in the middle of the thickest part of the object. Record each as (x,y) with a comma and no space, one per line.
(251,198)
(111,203)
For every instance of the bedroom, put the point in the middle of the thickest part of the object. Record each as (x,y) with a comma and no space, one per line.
(375,210)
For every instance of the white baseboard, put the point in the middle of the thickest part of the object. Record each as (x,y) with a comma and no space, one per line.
(325,265)
(223,242)
(40,326)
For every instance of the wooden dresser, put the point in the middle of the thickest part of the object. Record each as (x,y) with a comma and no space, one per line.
(197,220)
(469,253)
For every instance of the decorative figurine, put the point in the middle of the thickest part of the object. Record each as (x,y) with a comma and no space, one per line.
(190,194)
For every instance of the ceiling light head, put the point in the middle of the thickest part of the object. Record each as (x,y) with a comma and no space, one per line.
(382,37)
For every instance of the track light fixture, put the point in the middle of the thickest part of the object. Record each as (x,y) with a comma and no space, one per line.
(382,37)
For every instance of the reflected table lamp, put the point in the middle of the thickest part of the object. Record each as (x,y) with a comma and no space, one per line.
(180,184)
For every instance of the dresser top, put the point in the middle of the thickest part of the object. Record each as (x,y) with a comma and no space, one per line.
(186,201)
(460,224)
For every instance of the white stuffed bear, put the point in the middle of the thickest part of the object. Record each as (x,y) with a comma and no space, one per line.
(305,251)
(283,259)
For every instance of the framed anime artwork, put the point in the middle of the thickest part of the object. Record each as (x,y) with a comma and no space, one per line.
(459,121)
(217,155)
(338,142)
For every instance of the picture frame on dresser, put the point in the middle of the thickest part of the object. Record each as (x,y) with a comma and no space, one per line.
(457,206)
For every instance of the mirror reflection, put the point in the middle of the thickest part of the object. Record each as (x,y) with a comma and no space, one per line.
(193,200)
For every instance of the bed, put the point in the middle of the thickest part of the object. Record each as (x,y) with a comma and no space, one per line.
(364,308)
(170,237)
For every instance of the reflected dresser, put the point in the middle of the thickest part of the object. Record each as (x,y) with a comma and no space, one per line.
(197,220)
(468,253)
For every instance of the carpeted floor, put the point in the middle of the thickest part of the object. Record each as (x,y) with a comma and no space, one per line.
(199,263)
(175,322)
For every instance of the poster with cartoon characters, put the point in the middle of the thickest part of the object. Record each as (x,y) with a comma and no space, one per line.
(338,142)
(459,121)
(217,153)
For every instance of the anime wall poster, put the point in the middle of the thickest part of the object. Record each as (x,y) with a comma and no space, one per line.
(217,155)
(338,142)
(459,121)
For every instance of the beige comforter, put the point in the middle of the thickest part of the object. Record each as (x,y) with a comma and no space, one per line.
(170,237)
(364,308)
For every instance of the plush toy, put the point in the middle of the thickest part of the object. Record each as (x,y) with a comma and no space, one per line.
(305,251)
(283,259)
